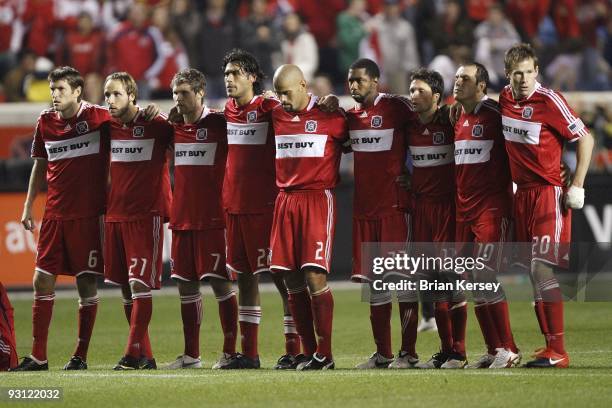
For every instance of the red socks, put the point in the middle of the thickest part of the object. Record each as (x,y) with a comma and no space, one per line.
(380,319)
(292,340)
(458,317)
(301,310)
(249,318)
(191,313)
(444,326)
(323,314)
(501,318)
(42,309)
(88,308)
(409,315)
(487,327)
(228,314)
(146,343)
(139,323)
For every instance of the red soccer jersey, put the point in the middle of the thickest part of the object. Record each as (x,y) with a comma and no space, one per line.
(431,147)
(76,150)
(140,183)
(308,147)
(535,129)
(200,151)
(379,144)
(481,162)
(249,186)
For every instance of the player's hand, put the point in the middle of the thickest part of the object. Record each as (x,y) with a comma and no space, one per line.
(404,180)
(151,111)
(454,112)
(174,116)
(566,174)
(268,94)
(328,103)
(26,219)
(574,198)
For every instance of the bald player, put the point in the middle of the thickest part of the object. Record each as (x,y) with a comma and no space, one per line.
(309,144)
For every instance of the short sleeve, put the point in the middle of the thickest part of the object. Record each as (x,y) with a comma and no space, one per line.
(562,119)
(38,145)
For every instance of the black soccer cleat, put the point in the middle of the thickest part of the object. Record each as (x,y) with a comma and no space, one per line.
(241,362)
(317,362)
(28,364)
(76,363)
(435,361)
(286,362)
(127,363)
(147,364)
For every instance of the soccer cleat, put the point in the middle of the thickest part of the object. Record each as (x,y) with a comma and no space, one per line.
(127,363)
(454,361)
(404,360)
(241,362)
(223,360)
(506,359)
(377,360)
(427,325)
(549,359)
(30,364)
(289,362)
(483,362)
(75,363)
(184,361)
(435,361)
(317,362)
(146,364)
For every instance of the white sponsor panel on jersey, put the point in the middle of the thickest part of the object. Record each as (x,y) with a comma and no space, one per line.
(289,146)
(74,147)
(371,140)
(431,156)
(473,151)
(132,150)
(194,154)
(521,131)
(247,133)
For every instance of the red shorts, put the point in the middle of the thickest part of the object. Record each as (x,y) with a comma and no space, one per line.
(303,230)
(483,237)
(133,251)
(392,228)
(541,218)
(71,247)
(199,254)
(248,242)
(434,221)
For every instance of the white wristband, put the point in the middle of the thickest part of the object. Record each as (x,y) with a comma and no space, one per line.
(574,198)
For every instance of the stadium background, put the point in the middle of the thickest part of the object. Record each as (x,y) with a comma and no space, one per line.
(152,39)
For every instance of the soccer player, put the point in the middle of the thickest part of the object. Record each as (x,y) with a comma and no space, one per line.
(196,217)
(433,189)
(70,148)
(249,192)
(138,205)
(536,122)
(483,206)
(377,126)
(308,148)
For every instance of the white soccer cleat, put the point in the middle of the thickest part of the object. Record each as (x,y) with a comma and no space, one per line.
(506,359)
(427,325)
(404,360)
(224,360)
(455,361)
(376,361)
(184,361)
(483,362)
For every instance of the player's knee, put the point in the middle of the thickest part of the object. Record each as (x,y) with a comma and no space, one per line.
(138,287)
(87,285)
(316,279)
(43,283)
(220,287)
(542,271)
(187,288)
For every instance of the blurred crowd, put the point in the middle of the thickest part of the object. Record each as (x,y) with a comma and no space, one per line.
(153,39)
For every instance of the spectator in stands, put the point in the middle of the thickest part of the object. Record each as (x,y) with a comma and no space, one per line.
(526,15)
(114,12)
(218,34)
(14,81)
(451,28)
(41,22)
(397,47)
(351,31)
(83,47)
(260,36)
(493,37)
(93,88)
(478,10)
(11,32)
(321,85)
(172,51)
(135,47)
(299,46)
(186,20)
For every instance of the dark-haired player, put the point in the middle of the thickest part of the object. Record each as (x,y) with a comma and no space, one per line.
(536,123)
(377,126)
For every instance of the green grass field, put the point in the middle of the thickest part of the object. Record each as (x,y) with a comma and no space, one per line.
(587,383)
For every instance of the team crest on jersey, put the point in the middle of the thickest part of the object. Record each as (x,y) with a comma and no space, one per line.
(82,127)
(477,130)
(310,126)
(251,116)
(438,138)
(527,112)
(201,134)
(138,131)
(376,121)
